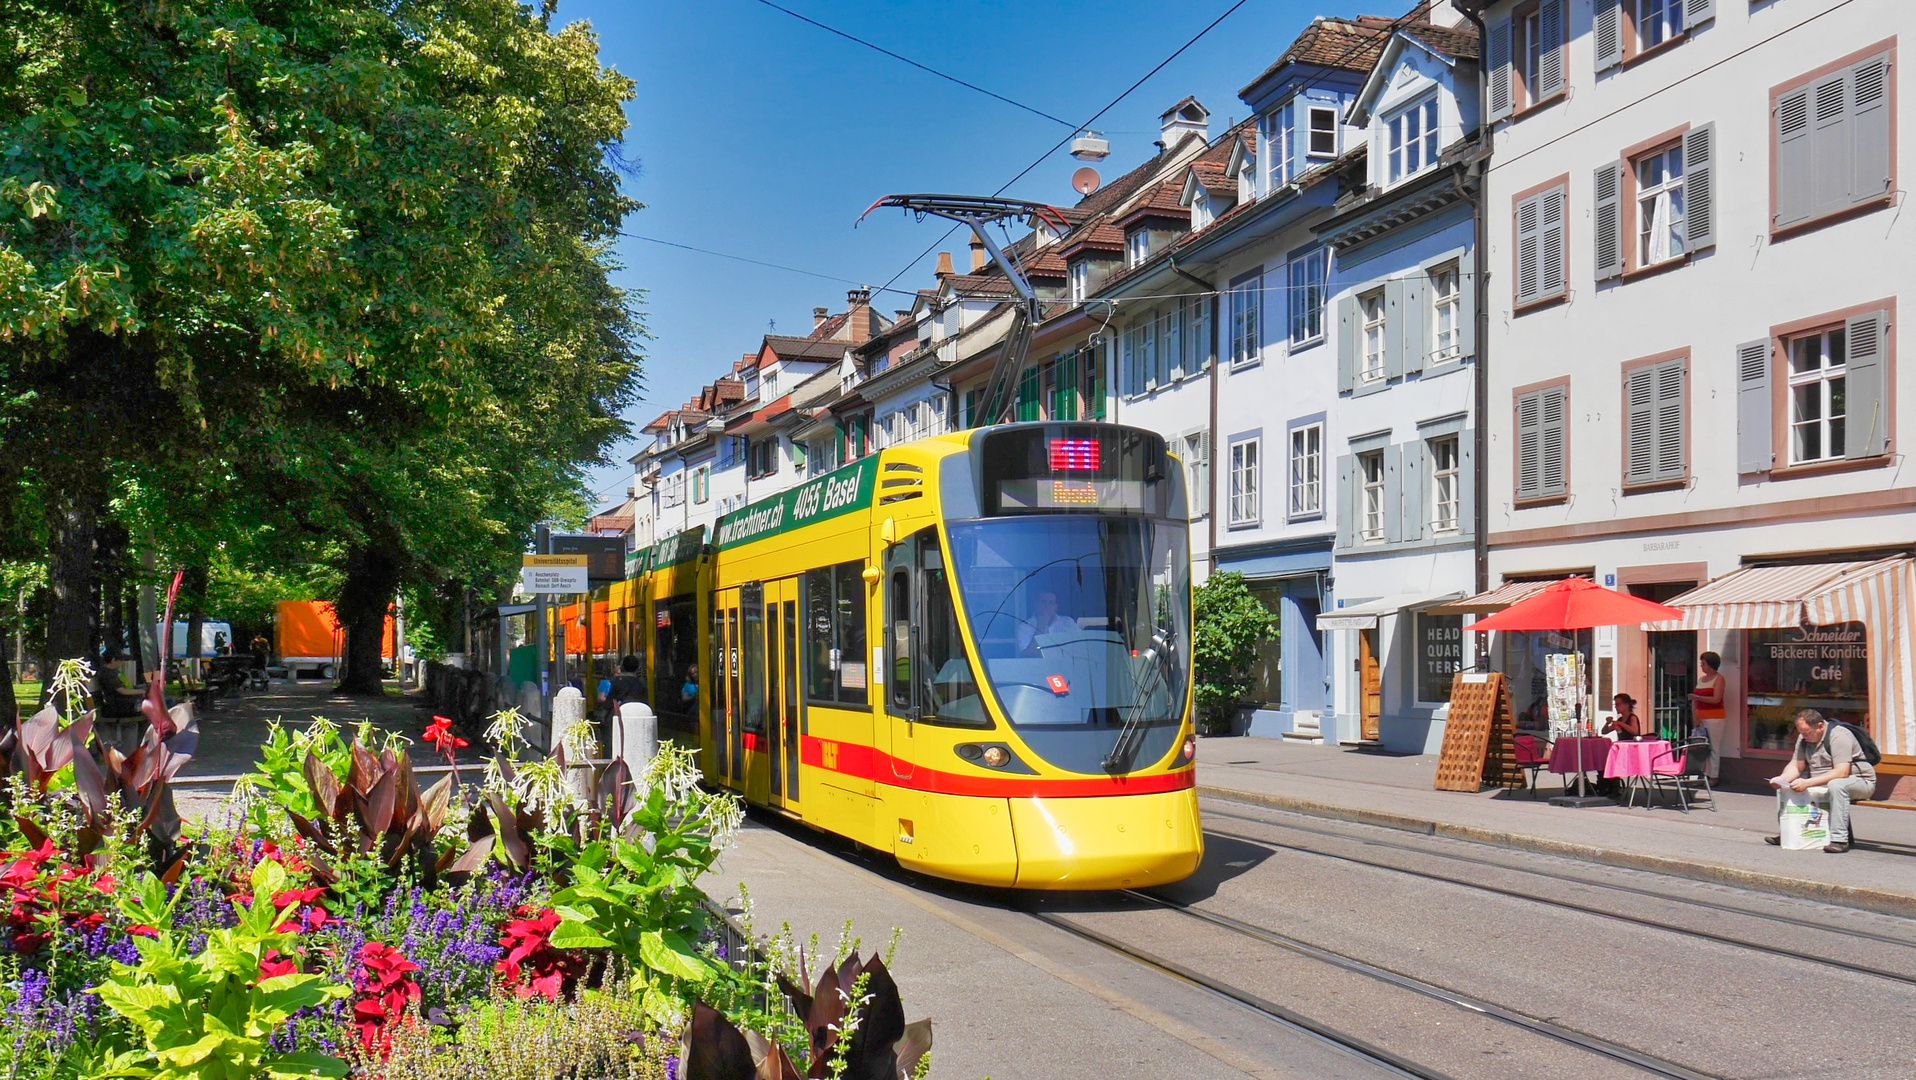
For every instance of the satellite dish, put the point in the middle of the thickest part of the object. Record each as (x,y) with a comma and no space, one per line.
(1085,180)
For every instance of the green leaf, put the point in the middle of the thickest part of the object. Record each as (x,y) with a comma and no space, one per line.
(577,935)
(668,954)
(304,1063)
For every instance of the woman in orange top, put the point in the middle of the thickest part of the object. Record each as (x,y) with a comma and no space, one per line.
(1706,705)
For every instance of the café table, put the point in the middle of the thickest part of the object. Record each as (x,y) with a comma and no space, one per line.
(1565,760)
(1630,762)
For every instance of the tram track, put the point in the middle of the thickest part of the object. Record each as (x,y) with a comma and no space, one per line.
(1351,1042)
(1588,909)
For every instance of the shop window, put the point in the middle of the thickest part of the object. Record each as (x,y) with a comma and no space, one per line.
(1440,655)
(1825,668)
(835,666)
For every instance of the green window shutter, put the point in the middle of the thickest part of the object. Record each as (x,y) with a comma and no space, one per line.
(1699,187)
(1866,404)
(1606,226)
(1028,395)
(1755,409)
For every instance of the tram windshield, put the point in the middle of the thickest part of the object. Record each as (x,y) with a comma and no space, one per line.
(1082,623)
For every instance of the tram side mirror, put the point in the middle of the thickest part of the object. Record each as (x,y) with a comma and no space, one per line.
(888,531)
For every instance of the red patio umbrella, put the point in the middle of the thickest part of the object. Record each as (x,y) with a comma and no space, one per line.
(1575,604)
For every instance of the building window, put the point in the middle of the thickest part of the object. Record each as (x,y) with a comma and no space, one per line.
(1440,655)
(1028,405)
(1137,247)
(1061,388)
(672,492)
(1307,296)
(1542,443)
(1280,145)
(761,456)
(1080,281)
(1246,307)
(1540,253)
(1197,472)
(702,484)
(1372,367)
(1654,437)
(1140,355)
(1307,471)
(1660,222)
(1657,22)
(1244,479)
(1444,478)
(1370,480)
(1446,313)
(1412,140)
(1832,143)
(1323,133)
(1818,409)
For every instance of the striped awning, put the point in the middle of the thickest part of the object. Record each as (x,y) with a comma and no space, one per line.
(1756,597)
(1488,603)
(1364,616)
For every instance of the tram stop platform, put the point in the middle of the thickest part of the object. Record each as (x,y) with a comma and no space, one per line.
(1725,846)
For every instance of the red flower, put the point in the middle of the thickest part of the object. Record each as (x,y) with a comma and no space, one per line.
(106,884)
(531,965)
(384,987)
(273,964)
(143,930)
(440,734)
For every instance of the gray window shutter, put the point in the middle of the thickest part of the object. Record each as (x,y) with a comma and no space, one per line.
(1466,482)
(1866,402)
(1346,486)
(1347,333)
(1526,230)
(1699,187)
(1529,446)
(1416,309)
(1869,129)
(1467,310)
(1640,405)
(1698,11)
(1755,445)
(1829,143)
(1393,494)
(1794,158)
(1551,278)
(1498,64)
(1670,464)
(1550,25)
(1606,33)
(1607,224)
(1394,339)
(1554,442)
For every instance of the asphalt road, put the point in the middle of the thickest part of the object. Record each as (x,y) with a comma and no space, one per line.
(1446,958)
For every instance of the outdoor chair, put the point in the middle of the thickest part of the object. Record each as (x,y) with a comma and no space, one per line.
(1532,759)
(1682,767)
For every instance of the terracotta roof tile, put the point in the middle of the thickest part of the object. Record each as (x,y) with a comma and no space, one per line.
(1344,44)
(1162,201)
(1102,236)
(1454,41)
(979,285)
(786,347)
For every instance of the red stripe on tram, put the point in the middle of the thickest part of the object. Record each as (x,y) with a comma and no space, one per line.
(869,763)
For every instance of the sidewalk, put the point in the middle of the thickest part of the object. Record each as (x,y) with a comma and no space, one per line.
(1724,847)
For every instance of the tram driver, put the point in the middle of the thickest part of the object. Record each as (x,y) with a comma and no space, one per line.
(1045,619)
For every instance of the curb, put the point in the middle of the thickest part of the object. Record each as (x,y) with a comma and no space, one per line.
(1878,900)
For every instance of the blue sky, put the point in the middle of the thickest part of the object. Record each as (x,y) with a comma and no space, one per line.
(758,135)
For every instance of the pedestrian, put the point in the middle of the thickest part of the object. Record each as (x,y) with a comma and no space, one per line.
(1827,756)
(1626,723)
(626,687)
(1706,704)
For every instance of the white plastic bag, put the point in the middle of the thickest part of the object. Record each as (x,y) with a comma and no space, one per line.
(1805,824)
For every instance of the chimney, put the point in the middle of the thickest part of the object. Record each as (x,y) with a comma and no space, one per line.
(944,265)
(858,321)
(978,257)
(901,315)
(1187,117)
(819,315)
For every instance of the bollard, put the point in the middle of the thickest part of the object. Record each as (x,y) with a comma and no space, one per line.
(636,738)
(568,712)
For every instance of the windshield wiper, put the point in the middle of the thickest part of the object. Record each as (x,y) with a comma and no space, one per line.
(1132,734)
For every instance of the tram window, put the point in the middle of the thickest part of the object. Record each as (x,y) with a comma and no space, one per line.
(951,694)
(752,649)
(675,654)
(898,611)
(835,664)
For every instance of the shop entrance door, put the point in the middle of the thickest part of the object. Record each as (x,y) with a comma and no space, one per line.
(1672,669)
(1370,678)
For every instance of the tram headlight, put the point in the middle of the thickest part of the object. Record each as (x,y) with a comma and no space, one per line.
(1190,747)
(997,757)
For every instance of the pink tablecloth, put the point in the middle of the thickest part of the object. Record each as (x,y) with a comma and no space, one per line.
(1563,754)
(1634,758)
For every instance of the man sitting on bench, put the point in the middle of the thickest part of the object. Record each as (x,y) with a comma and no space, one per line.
(1827,756)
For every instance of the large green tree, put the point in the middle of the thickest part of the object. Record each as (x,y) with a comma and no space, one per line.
(332,272)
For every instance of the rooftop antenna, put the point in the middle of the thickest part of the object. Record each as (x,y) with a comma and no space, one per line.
(977,212)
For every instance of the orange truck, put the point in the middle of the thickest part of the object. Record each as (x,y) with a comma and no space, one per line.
(308,638)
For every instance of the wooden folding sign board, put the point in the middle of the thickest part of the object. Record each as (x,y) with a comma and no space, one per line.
(1480,736)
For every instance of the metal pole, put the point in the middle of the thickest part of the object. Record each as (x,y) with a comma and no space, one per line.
(544,642)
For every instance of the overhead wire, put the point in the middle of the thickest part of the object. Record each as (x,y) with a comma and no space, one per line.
(758,262)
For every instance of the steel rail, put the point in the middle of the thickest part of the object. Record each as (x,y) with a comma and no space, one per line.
(1593,1044)
(1726,909)
(1588,909)
(1270,1010)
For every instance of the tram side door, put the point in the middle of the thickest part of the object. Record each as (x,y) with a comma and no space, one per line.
(781,693)
(728,686)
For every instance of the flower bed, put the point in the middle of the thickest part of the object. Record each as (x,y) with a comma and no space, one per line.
(542,921)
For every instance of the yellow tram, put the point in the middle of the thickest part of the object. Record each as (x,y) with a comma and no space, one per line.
(972,651)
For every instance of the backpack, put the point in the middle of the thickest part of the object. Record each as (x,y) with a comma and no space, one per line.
(1871,753)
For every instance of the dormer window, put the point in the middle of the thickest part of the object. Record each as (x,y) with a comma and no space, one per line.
(1323,133)
(1137,247)
(1410,140)
(1080,281)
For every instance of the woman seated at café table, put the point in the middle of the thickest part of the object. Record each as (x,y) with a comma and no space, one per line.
(1627,725)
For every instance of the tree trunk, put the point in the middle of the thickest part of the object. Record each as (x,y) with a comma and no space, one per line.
(9,707)
(372,581)
(193,592)
(73,615)
(110,569)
